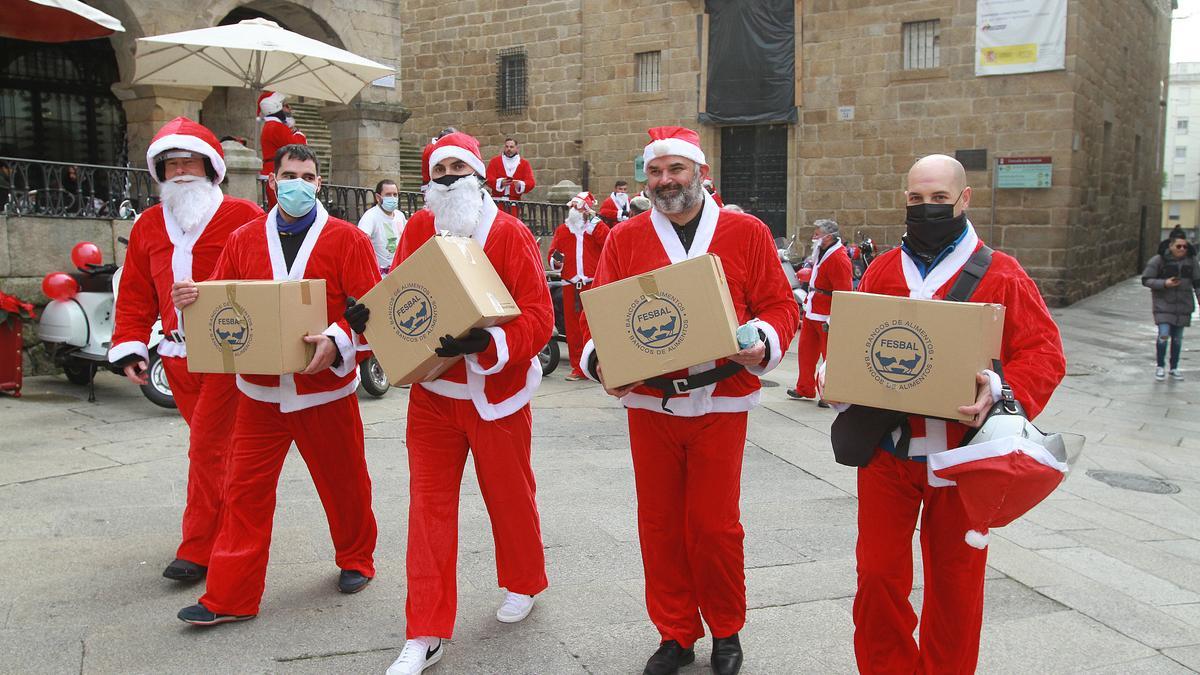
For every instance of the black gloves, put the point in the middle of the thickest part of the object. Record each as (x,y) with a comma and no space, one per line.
(356,315)
(474,342)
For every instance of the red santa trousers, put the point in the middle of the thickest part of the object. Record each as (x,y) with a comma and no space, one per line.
(688,473)
(208,403)
(440,432)
(571,312)
(891,494)
(813,341)
(330,440)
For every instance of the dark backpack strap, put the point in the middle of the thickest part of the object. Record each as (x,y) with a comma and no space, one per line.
(976,266)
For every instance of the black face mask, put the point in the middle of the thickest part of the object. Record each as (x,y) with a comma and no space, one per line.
(448,180)
(932,227)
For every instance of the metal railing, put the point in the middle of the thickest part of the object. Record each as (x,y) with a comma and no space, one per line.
(30,187)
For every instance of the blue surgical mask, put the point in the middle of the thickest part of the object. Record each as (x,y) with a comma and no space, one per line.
(296,196)
(389,204)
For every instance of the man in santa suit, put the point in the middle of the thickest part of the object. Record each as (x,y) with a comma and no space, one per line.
(316,408)
(895,487)
(509,177)
(831,272)
(615,208)
(576,247)
(480,405)
(687,429)
(180,238)
(279,129)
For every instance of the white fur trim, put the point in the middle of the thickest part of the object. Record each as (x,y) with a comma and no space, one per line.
(776,350)
(501,342)
(120,351)
(812,316)
(704,232)
(458,153)
(585,357)
(493,411)
(286,396)
(175,349)
(487,216)
(185,142)
(933,441)
(698,402)
(995,386)
(345,346)
(279,268)
(673,146)
(271,104)
(511,164)
(996,448)
(455,390)
(977,539)
(924,288)
(520,185)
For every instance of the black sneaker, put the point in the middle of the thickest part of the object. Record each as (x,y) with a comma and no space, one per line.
(184,570)
(822,404)
(727,655)
(352,581)
(198,615)
(795,395)
(669,658)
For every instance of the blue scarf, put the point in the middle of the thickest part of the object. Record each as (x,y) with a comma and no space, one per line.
(301,224)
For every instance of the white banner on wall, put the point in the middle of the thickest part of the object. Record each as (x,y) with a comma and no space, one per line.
(1020,36)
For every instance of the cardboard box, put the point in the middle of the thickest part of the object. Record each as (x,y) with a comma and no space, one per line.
(666,320)
(915,356)
(254,327)
(446,287)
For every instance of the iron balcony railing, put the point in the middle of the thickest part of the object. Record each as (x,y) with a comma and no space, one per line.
(31,187)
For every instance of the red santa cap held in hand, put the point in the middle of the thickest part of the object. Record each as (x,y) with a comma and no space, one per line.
(181,137)
(270,102)
(459,146)
(679,141)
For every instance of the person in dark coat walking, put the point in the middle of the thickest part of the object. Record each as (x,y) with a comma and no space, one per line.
(1173,278)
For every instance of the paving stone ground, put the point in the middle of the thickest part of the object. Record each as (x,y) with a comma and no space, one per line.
(1097,578)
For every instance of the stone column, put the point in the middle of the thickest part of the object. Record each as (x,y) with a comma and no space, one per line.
(242,166)
(148,107)
(365,141)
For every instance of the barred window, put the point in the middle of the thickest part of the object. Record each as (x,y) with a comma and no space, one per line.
(1181,127)
(512,80)
(920,42)
(647,66)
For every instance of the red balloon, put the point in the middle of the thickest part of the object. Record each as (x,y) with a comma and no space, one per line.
(86,253)
(59,286)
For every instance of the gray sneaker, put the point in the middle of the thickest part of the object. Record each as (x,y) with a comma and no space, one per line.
(1160,374)
(1175,374)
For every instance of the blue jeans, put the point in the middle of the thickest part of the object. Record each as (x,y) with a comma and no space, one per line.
(1175,335)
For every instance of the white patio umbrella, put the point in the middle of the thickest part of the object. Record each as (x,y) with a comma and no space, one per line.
(55,21)
(256,54)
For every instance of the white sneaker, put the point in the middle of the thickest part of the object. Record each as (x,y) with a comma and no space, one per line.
(1160,374)
(516,607)
(417,655)
(1176,375)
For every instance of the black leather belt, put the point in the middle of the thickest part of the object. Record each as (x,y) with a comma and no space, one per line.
(822,291)
(173,336)
(671,387)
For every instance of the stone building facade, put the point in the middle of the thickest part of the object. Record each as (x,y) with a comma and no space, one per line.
(1100,119)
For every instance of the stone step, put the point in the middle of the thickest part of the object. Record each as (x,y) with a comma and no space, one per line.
(309,120)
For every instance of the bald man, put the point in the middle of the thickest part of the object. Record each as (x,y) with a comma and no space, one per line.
(894,487)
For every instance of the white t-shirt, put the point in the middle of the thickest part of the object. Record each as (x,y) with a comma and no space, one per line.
(384,231)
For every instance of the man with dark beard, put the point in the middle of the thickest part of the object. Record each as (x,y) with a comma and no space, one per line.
(480,405)
(181,238)
(687,429)
(509,177)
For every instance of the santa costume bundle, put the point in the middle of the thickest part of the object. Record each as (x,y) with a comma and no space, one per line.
(895,486)
(479,406)
(278,130)
(832,272)
(509,179)
(318,412)
(687,459)
(181,238)
(580,241)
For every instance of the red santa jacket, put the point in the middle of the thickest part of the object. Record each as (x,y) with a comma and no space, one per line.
(501,379)
(333,250)
(275,135)
(584,245)
(159,254)
(833,272)
(519,171)
(1030,351)
(760,292)
(611,212)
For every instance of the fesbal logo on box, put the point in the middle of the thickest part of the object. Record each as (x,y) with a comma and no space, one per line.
(231,328)
(412,312)
(899,354)
(657,324)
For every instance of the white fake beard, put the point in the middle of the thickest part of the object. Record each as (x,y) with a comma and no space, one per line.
(188,199)
(687,197)
(574,220)
(456,208)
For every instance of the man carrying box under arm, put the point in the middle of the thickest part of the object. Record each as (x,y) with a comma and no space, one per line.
(687,459)
(316,408)
(894,486)
(480,405)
